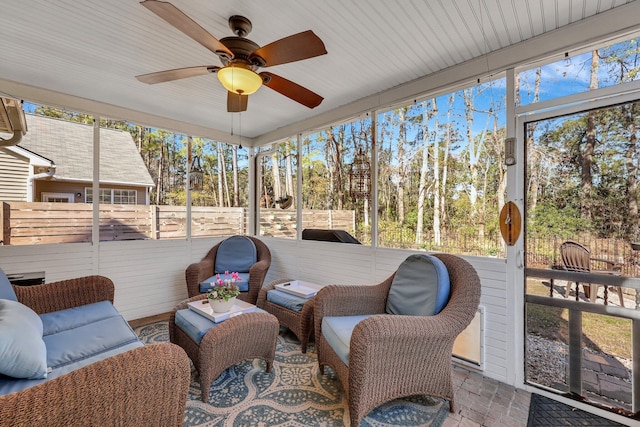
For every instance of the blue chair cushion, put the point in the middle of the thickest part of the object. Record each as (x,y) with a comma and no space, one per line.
(286,300)
(6,289)
(337,330)
(23,353)
(70,318)
(420,287)
(236,253)
(195,325)
(243,283)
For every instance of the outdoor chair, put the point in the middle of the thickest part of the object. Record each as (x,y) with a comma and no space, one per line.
(389,340)
(246,255)
(576,257)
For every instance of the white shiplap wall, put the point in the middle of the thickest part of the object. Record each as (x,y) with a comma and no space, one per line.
(149,275)
(330,263)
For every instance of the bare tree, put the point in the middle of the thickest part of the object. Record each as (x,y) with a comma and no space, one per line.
(234,165)
(589,146)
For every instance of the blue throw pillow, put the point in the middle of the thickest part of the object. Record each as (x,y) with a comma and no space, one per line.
(420,287)
(23,353)
(6,289)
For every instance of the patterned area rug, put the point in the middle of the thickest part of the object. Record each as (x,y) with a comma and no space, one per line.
(293,394)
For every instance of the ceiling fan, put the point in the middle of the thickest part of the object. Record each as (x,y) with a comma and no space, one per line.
(241,58)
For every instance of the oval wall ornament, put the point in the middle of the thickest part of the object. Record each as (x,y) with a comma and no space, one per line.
(510,223)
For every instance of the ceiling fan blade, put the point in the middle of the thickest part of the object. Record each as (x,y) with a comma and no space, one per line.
(296,47)
(291,90)
(236,102)
(182,22)
(178,73)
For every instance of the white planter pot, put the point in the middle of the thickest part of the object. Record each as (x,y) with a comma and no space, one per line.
(222,306)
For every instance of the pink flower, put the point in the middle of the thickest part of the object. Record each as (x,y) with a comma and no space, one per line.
(219,281)
(226,272)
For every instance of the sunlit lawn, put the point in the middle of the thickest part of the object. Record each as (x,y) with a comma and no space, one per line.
(608,334)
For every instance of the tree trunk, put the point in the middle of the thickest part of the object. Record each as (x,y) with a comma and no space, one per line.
(236,186)
(275,173)
(589,147)
(220,184)
(289,188)
(533,154)
(473,150)
(631,156)
(402,134)
(424,169)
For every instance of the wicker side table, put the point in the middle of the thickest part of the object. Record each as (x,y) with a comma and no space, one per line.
(248,336)
(300,323)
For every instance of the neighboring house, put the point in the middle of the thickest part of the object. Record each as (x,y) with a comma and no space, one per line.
(54,163)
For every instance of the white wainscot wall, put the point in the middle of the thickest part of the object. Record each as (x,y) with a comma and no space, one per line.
(149,275)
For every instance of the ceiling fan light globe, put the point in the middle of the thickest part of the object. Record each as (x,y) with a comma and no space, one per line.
(239,80)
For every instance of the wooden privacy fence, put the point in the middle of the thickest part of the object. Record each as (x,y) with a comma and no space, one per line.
(29,223)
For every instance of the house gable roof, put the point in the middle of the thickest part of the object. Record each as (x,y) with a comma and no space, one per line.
(70,146)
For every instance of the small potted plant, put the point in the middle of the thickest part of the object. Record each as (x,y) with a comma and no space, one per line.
(224,292)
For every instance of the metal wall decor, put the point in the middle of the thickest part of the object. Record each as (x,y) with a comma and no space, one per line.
(360,177)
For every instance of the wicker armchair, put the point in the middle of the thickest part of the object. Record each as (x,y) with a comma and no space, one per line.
(144,386)
(394,356)
(197,272)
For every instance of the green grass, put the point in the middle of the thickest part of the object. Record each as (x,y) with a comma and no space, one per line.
(608,334)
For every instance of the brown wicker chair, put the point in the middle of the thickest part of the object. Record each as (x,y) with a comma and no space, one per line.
(576,257)
(301,324)
(199,271)
(144,386)
(394,356)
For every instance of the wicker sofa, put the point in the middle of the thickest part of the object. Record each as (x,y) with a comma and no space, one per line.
(132,385)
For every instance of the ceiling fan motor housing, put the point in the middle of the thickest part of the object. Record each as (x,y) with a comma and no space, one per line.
(241,49)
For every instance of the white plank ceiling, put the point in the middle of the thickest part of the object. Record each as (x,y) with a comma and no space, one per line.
(93,49)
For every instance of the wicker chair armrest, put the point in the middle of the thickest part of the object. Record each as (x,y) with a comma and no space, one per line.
(196,273)
(405,328)
(144,386)
(64,294)
(259,268)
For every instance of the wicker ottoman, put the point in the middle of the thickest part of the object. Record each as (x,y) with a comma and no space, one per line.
(299,322)
(247,336)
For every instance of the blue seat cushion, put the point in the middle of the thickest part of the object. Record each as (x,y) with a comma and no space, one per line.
(195,325)
(420,287)
(242,284)
(286,300)
(6,289)
(72,345)
(70,318)
(337,330)
(236,253)
(23,353)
